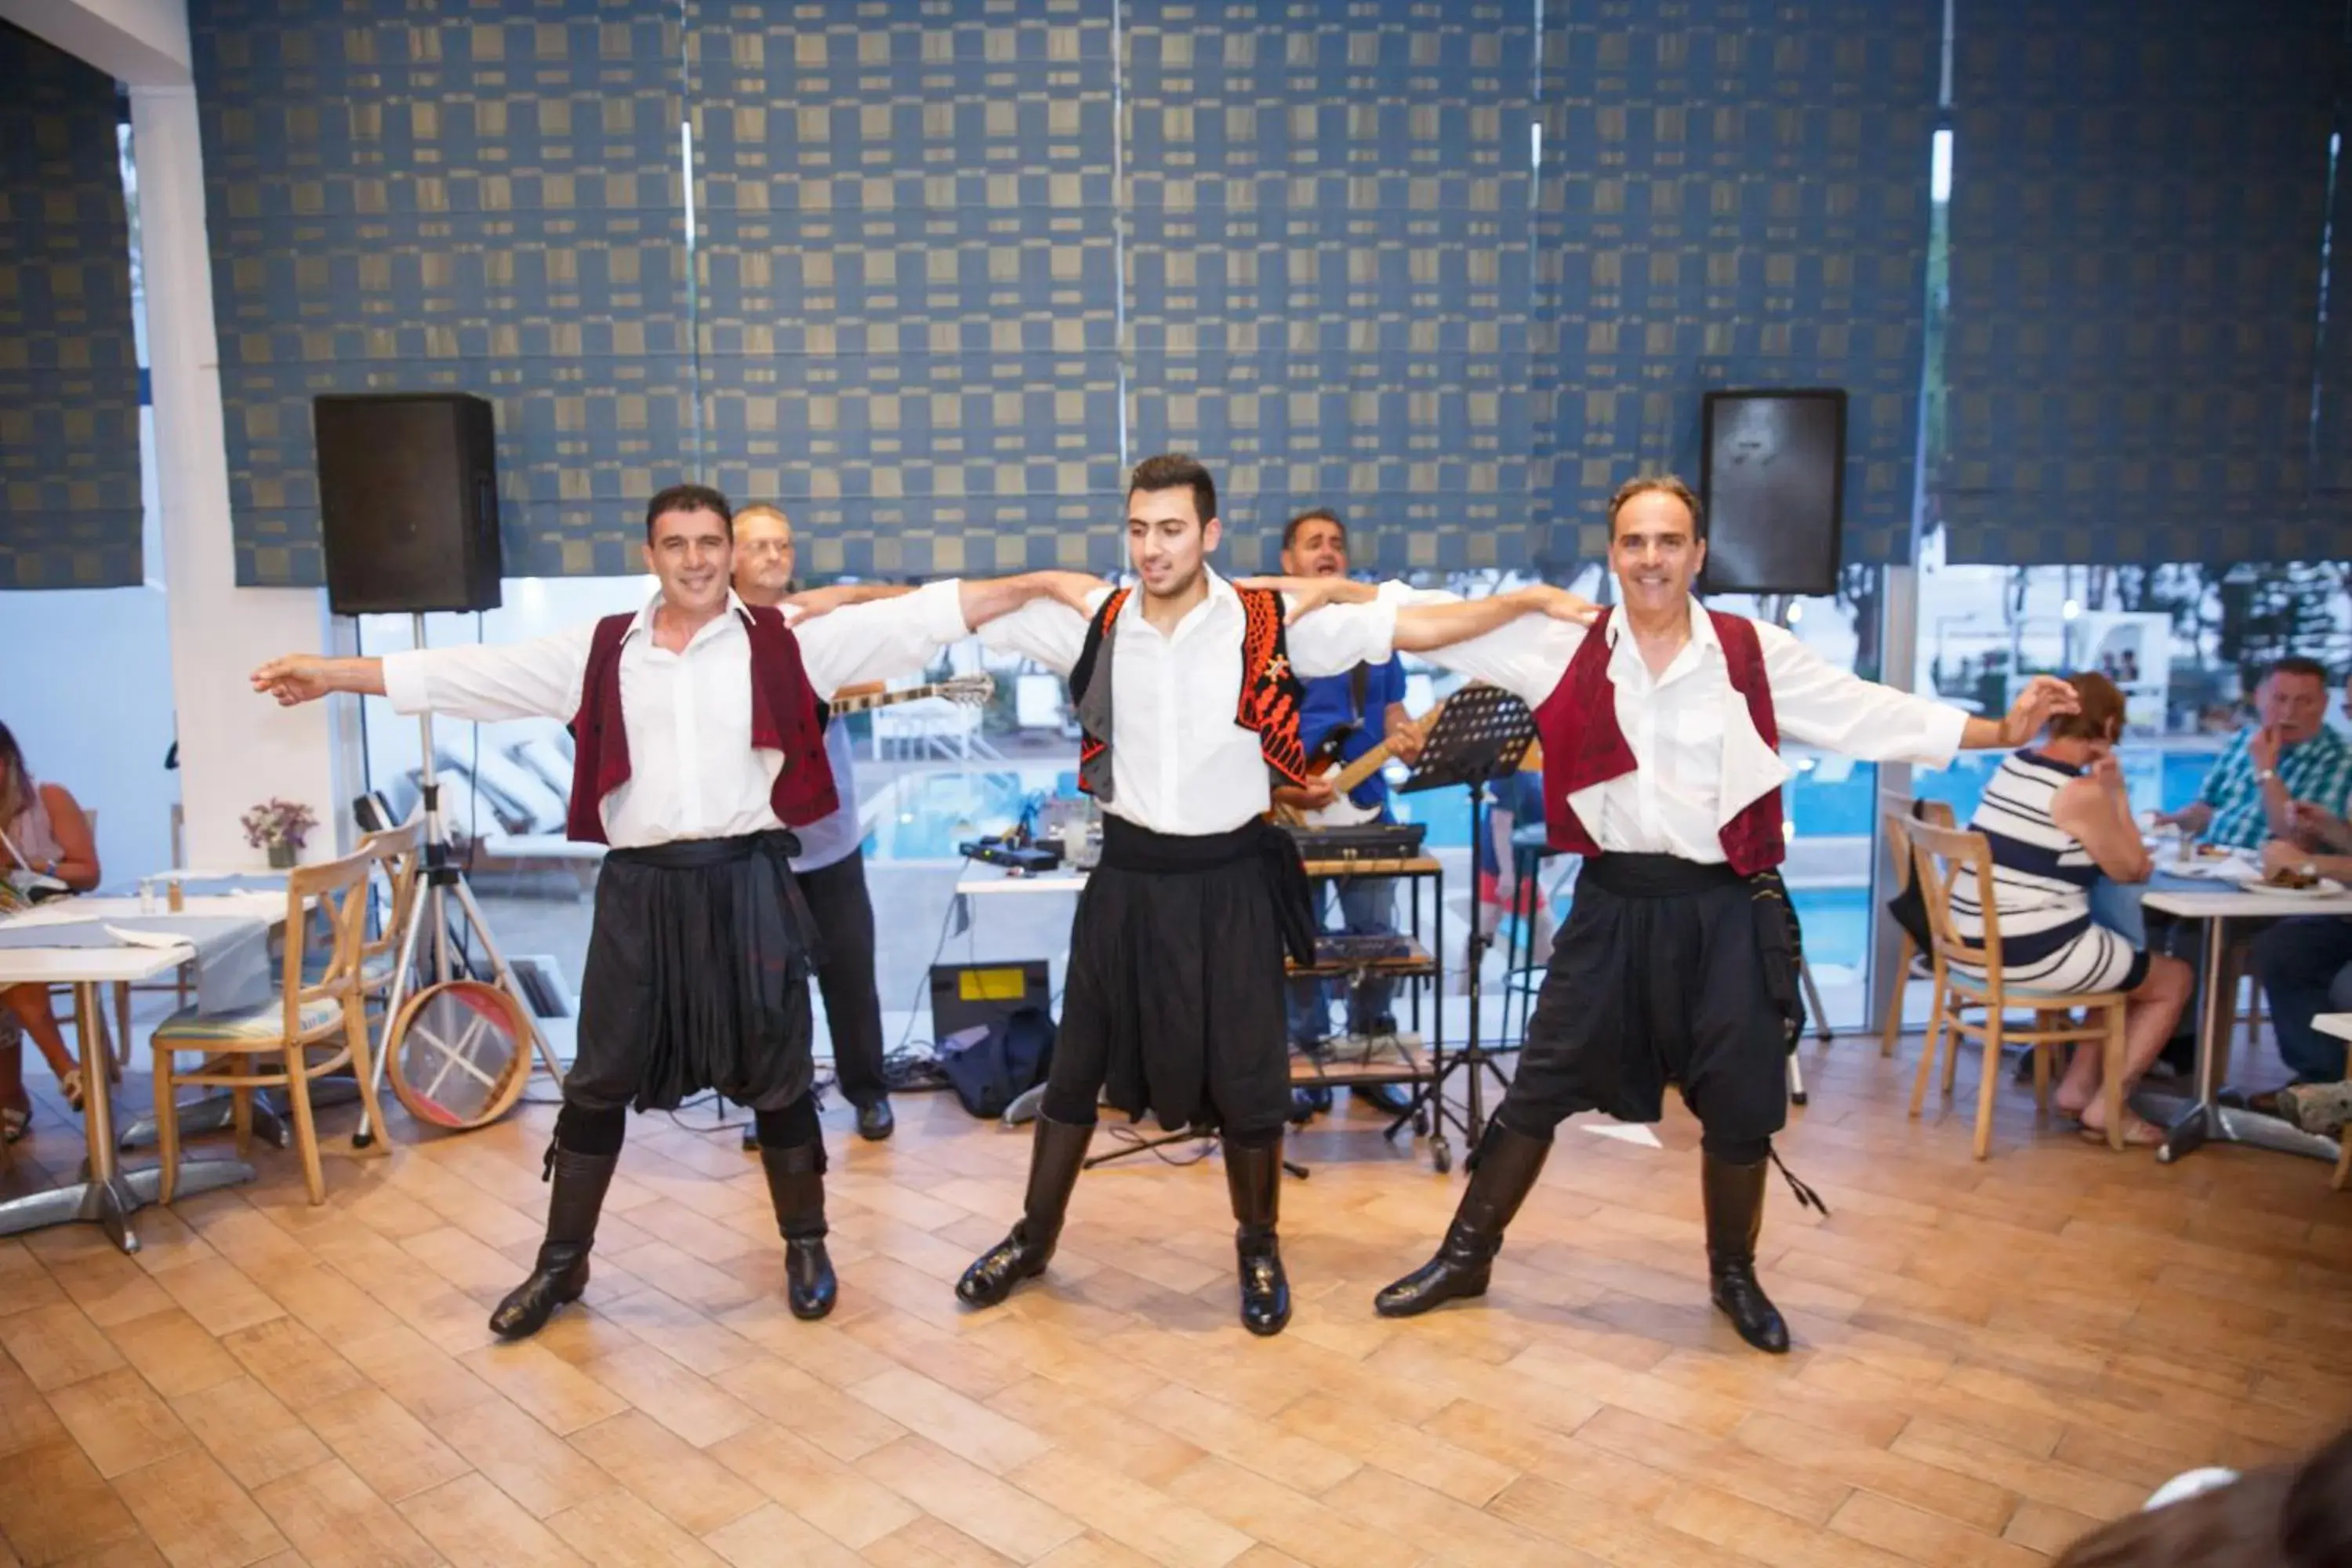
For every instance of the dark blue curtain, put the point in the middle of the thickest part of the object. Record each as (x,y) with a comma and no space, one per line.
(486,200)
(2137,217)
(70,510)
(908,258)
(1736,195)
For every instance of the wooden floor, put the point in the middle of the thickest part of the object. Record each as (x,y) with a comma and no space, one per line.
(1991,1357)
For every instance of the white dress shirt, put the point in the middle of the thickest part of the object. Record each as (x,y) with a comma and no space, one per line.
(693,771)
(1179,761)
(835,838)
(1698,759)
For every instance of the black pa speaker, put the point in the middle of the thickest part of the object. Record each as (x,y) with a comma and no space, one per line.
(1771,476)
(408,503)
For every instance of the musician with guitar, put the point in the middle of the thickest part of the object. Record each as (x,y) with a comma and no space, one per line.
(1352,724)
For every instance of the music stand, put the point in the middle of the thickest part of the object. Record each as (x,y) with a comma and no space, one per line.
(1482,735)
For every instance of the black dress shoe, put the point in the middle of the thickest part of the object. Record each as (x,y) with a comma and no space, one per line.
(796,1188)
(876,1122)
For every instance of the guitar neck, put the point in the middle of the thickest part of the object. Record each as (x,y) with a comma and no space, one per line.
(1345,781)
(873,700)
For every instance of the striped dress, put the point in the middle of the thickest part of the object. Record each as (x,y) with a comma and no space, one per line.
(2042,885)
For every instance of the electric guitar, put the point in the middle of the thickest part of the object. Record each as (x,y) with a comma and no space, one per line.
(1343,812)
(967,690)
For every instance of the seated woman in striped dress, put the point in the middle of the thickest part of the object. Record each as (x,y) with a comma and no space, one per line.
(2058,818)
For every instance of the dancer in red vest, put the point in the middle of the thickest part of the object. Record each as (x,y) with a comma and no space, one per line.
(1187,689)
(1659,730)
(698,733)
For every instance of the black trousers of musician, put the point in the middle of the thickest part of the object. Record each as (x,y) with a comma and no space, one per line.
(1663,972)
(1174,1008)
(844,914)
(696,979)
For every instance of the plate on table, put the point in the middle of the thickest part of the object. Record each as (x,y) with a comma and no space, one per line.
(2326,887)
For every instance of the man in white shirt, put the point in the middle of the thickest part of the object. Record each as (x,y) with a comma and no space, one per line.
(1187,689)
(831,866)
(1676,962)
(695,726)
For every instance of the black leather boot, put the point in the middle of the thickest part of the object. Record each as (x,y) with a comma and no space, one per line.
(1254,1177)
(796,1187)
(579,1183)
(1734,1217)
(1506,1168)
(1055,1156)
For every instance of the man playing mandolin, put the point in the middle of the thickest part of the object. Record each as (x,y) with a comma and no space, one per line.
(1351,724)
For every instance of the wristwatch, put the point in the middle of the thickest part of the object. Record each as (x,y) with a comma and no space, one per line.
(2264,775)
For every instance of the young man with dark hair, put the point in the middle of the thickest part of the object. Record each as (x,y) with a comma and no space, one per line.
(1341,717)
(1660,728)
(695,722)
(1187,688)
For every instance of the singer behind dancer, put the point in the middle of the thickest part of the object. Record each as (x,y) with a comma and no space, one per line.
(831,865)
(1188,694)
(697,721)
(1659,728)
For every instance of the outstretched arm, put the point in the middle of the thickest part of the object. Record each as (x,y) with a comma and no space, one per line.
(1423,628)
(1837,710)
(300,677)
(814,601)
(985,599)
(539,678)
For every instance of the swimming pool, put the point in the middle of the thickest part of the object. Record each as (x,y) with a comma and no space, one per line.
(923,815)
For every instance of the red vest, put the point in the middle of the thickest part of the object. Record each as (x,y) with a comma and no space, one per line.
(1582,745)
(1271,696)
(784,718)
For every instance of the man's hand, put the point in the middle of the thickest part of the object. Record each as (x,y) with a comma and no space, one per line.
(1071,588)
(2045,698)
(2107,772)
(1561,604)
(1406,742)
(1305,797)
(2318,826)
(1307,595)
(2279,855)
(294,680)
(2263,749)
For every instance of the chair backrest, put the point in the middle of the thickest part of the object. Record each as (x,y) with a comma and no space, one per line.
(1942,856)
(1935,812)
(340,889)
(401,852)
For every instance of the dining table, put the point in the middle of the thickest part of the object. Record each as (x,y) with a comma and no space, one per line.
(2220,898)
(105,1194)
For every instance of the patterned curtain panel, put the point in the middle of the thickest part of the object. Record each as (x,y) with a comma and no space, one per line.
(484,199)
(2138,197)
(907,254)
(70,511)
(1330,258)
(1736,195)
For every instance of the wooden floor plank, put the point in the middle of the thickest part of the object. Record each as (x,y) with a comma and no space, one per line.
(1989,1359)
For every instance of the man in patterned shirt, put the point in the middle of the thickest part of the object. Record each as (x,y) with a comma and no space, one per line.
(2290,759)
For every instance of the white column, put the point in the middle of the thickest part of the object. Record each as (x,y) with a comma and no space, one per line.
(236,748)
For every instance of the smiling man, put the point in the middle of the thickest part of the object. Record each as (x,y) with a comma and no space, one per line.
(699,752)
(1660,728)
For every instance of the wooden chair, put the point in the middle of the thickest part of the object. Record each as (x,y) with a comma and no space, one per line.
(1943,857)
(399,852)
(1910,964)
(325,1014)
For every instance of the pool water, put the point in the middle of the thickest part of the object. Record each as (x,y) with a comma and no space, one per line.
(924,816)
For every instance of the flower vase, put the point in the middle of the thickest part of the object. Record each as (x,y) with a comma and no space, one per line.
(281,857)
